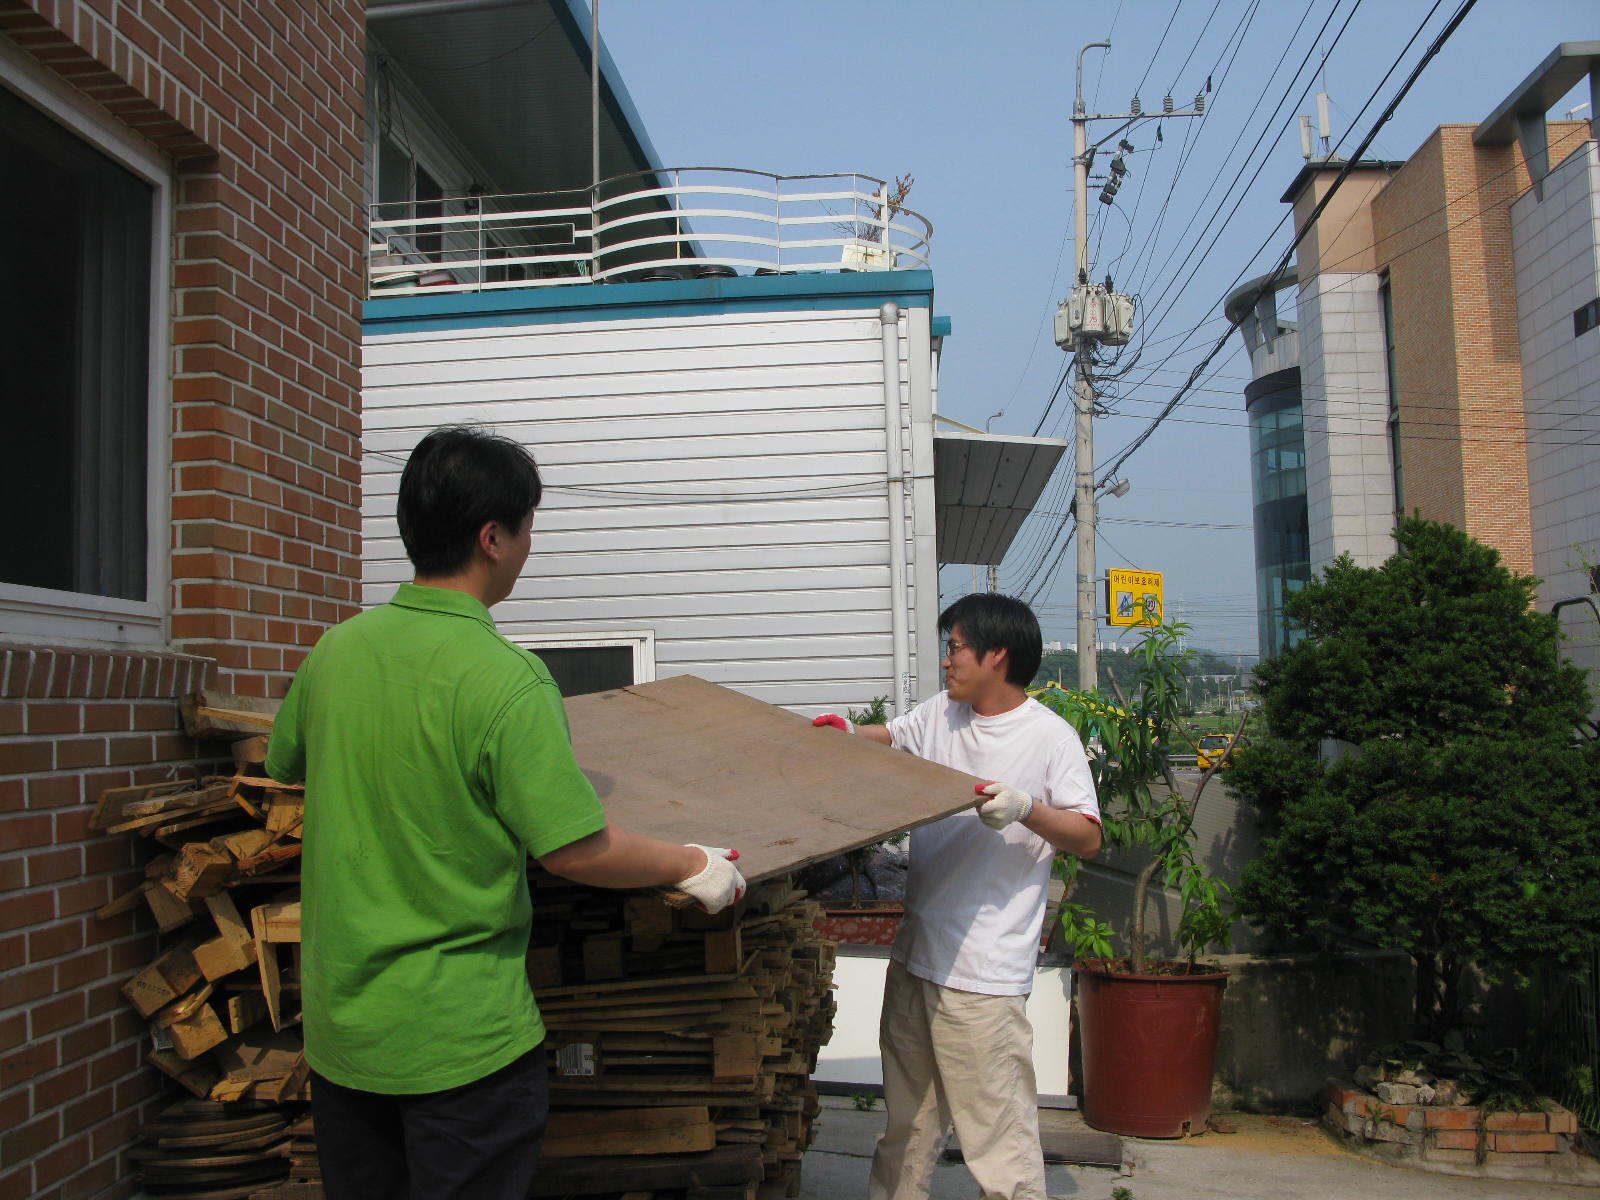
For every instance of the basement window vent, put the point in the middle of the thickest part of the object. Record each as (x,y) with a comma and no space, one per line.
(1586,318)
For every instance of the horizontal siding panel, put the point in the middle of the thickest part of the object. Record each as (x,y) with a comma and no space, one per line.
(811,698)
(562,438)
(761,671)
(644,393)
(398,417)
(718,480)
(737,628)
(583,340)
(506,358)
(552,543)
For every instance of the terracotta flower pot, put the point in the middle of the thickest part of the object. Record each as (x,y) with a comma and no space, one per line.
(1149,1048)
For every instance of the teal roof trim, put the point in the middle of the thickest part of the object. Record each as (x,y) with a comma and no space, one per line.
(940,327)
(600,302)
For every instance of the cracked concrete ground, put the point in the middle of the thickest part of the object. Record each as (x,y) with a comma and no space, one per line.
(1269,1158)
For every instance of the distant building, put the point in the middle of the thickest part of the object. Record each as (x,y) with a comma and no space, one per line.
(1443,357)
(1052,647)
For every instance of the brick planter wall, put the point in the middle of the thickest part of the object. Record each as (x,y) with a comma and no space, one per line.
(1460,1139)
(258,109)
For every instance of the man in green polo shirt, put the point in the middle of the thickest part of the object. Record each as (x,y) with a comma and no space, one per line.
(436,758)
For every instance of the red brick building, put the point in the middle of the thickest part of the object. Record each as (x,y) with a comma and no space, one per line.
(181,473)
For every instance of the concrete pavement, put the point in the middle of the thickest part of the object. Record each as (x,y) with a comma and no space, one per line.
(1269,1158)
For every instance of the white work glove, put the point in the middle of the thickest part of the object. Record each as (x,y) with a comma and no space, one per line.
(719,884)
(1005,805)
(834,720)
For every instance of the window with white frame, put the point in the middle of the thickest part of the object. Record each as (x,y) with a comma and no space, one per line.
(82,552)
(581,663)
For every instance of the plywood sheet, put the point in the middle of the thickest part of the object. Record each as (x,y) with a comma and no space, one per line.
(687,761)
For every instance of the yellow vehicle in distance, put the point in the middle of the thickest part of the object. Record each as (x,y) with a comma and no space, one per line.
(1212,750)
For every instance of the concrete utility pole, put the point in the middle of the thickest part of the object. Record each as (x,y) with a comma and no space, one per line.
(1094,314)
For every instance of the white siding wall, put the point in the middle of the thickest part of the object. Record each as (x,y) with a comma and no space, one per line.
(716,479)
(1344,381)
(1556,246)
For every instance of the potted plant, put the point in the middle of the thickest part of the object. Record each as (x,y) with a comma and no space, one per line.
(1148,1025)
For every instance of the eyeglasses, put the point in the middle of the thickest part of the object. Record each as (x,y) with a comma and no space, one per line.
(951,647)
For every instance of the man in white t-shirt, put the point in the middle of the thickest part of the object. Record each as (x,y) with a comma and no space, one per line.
(955,1039)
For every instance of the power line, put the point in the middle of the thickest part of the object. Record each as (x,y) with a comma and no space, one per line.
(1438,43)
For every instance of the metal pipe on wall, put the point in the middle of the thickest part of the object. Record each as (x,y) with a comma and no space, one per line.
(900,629)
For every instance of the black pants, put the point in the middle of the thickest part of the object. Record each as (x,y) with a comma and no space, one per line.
(479,1141)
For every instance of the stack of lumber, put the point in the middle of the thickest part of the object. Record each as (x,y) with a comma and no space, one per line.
(219,999)
(681,1043)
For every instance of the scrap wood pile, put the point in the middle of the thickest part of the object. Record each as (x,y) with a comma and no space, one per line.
(681,1044)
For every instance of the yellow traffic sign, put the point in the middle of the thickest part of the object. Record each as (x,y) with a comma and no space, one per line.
(1133,597)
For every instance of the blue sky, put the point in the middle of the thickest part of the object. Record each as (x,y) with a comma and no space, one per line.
(973,101)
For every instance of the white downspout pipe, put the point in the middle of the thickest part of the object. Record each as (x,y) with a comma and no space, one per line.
(899,605)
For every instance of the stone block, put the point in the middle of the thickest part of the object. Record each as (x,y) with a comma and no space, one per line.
(1396,1093)
(1460,1158)
(1387,1131)
(1559,1120)
(1523,1143)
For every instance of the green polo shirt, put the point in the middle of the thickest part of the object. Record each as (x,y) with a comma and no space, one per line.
(436,758)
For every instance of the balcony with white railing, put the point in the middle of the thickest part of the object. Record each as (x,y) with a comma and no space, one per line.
(682,223)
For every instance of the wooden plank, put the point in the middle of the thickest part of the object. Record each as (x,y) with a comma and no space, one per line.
(688,761)
(213,714)
(112,803)
(602,956)
(673,1140)
(157,820)
(233,949)
(735,1057)
(201,871)
(249,751)
(170,912)
(164,980)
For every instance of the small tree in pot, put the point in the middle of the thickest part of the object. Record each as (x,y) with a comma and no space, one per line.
(1150,1081)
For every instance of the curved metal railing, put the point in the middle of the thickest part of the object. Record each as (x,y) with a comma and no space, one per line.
(679,223)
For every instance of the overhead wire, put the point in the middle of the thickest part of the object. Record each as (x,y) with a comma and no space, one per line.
(1310,223)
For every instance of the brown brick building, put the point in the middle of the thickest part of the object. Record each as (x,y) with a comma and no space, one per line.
(184,485)
(1439,359)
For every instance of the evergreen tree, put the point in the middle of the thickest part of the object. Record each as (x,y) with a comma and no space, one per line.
(1425,782)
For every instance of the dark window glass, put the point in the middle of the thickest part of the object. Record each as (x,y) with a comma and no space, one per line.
(75,371)
(1586,318)
(579,670)
(430,203)
(1395,464)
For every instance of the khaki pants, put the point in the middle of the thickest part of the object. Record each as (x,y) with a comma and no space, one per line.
(961,1057)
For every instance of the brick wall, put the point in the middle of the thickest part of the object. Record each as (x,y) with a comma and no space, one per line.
(1444,230)
(259,110)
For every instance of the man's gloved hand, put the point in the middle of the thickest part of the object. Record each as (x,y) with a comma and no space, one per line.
(835,720)
(1005,805)
(719,884)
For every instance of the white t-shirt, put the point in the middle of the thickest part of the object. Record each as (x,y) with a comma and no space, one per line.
(975,896)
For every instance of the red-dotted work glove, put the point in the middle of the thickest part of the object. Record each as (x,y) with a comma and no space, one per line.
(719,884)
(1005,805)
(834,720)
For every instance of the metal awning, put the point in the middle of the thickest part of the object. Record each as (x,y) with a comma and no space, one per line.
(985,485)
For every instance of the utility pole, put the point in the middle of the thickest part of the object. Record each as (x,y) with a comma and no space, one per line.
(1094,314)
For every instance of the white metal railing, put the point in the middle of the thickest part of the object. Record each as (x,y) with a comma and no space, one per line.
(672,223)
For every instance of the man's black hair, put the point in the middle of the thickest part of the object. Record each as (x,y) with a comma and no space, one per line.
(458,479)
(993,622)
